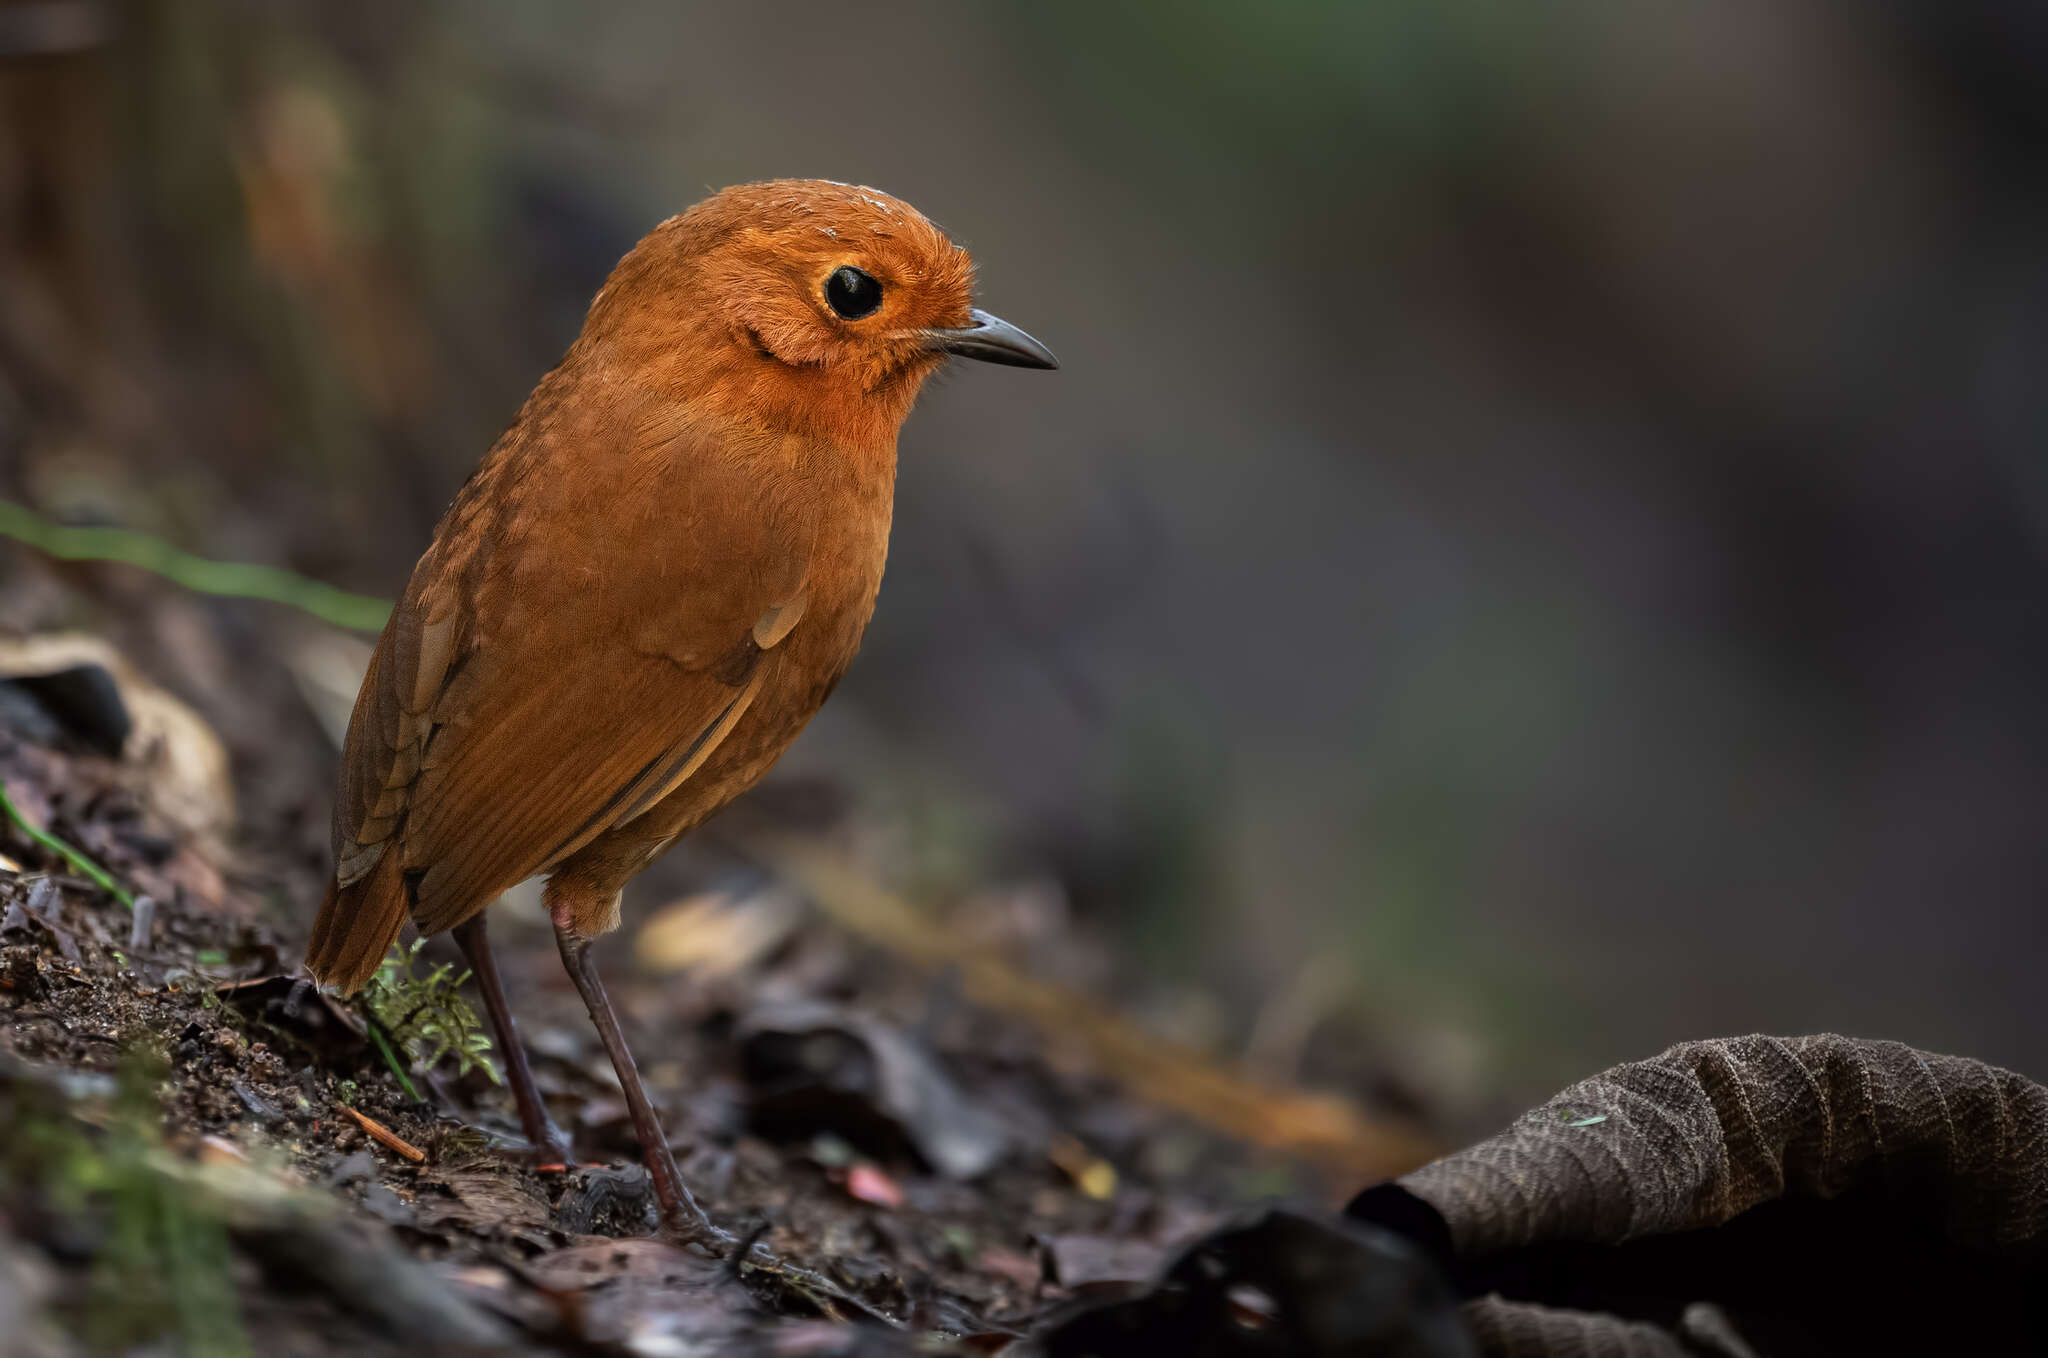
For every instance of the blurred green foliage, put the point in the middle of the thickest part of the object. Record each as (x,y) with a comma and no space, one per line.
(161,1265)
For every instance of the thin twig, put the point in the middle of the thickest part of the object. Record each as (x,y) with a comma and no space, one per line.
(385,1134)
(229,579)
(100,877)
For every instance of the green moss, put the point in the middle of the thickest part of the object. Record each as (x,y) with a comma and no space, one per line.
(426,1016)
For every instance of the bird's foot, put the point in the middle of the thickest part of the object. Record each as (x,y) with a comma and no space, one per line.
(749,1252)
(684,1223)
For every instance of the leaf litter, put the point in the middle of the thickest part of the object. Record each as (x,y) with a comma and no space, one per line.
(959,1206)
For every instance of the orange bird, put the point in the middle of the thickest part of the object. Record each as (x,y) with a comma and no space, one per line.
(646,589)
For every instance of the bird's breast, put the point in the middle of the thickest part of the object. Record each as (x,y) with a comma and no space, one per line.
(808,631)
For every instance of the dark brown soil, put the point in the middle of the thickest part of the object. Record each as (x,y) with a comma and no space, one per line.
(249,1067)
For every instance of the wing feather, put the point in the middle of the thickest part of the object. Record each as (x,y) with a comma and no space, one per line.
(514,713)
(566,658)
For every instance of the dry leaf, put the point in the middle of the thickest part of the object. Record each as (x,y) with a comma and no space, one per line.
(182,767)
(718,933)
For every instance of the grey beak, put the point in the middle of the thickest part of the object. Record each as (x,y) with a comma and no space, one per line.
(993,340)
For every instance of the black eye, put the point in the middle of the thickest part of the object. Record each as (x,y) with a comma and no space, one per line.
(853,293)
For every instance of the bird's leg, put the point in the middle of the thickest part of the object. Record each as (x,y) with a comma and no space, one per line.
(681,1216)
(541,1132)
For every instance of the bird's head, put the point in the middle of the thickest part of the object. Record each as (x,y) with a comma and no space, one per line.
(805,301)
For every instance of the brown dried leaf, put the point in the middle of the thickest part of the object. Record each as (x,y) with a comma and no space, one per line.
(1082,1260)
(1708,1130)
(718,933)
(646,1294)
(484,1200)
(182,767)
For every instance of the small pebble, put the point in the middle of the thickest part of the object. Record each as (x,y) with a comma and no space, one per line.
(350,1170)
(139,926)
(218,1150)
(263,1109)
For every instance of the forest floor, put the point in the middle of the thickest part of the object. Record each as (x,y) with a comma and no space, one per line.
(203,1151)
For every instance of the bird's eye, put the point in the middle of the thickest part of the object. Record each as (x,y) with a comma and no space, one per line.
(853,293)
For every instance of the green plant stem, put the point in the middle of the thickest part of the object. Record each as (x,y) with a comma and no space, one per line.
(101,878)
(234,580)
(391,1059)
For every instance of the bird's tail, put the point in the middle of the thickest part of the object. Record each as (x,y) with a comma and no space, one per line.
(357,925)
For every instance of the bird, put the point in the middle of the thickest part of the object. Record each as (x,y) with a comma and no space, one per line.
(648,586)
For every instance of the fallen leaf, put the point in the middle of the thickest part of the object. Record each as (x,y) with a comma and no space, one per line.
(1279,1281)
(1081,1260)
(607,1200)
(482,1201)
(1092,1174)
(817,1067)
(1021,1269)
(869,1184)
(646,1295)
(98,694)
(218,1150)
(718,933)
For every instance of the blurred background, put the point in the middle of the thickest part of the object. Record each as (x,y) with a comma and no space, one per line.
(1536,551)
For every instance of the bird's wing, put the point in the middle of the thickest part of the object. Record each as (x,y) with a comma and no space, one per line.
(560,662)
(533,777)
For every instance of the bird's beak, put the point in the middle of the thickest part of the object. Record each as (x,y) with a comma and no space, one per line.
(992,340)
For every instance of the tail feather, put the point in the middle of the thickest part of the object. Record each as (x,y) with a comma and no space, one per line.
(357,925)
